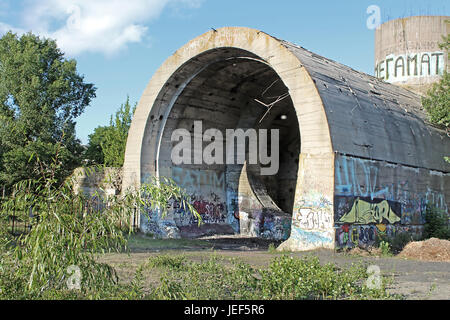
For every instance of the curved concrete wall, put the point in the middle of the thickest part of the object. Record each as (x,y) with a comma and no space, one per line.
(358,156)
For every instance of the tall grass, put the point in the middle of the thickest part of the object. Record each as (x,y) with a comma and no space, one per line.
(286,278)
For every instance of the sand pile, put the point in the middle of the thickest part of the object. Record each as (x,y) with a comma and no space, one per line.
(430,250)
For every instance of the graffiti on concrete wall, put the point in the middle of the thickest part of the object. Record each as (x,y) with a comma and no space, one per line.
(211,210)
(248,217)
(352,235)
(360,178)
(241,202)
(368,203)
(357,177)
(365,210)
(198,180)
(313,219)
(207,190)
(313,212)
(207,195)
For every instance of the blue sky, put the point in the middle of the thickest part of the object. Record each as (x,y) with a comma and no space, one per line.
(120,44)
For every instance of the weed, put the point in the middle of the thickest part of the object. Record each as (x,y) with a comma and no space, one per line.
(167,261)
(273,249)
(385,248)
(286,278)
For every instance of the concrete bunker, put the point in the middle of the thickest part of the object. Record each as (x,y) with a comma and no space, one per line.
(220,89)
(351,146)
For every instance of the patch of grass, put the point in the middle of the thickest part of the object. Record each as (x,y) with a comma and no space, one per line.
(286,278)
(272,249)
(167,261)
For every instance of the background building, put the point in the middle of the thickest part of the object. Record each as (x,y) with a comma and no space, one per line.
(407,51)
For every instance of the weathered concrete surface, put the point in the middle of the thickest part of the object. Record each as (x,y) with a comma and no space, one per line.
(101,181)
(350,143)
(407,51)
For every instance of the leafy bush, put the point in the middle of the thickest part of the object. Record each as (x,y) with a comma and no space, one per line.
(400,240)
(385,248)
(436,224)
(396,243)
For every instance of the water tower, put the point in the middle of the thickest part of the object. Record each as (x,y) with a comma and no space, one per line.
(407,51)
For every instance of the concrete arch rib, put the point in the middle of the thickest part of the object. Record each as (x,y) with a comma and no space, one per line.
(315,176)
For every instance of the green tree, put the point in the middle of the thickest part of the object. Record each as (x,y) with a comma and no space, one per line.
(41,94)
(437,100)
(94,152)
(107,144)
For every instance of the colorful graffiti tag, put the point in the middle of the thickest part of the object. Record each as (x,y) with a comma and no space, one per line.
(313,220)
(352,235)
(368,211)
(360,177)
(195,180)
(211,211)
(371,201)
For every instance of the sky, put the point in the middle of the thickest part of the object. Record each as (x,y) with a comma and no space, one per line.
(119,44)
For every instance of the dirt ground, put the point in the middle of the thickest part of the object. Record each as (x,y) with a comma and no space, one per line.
(413,279)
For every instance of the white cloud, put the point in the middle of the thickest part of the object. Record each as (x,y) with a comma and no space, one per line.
(4,28)
(104,26)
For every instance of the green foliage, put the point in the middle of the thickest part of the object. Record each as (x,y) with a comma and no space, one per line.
(437,101)
(158,193)
(286,278)
(272,249)
(41,94)
(94,153)
(395,244)
(166,261)
(107,144)
(436,224)
(66,231)
(400,240)
(385,248)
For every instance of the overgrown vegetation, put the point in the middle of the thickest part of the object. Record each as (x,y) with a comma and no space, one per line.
(385,248)
(107,143)
(393,245)
(437,100)
(436,224)
(68,234)
(286,278)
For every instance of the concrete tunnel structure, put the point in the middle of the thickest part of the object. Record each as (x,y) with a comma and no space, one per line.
(357,155)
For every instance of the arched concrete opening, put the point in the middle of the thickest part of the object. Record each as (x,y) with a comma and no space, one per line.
(234,89)
(227,79)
